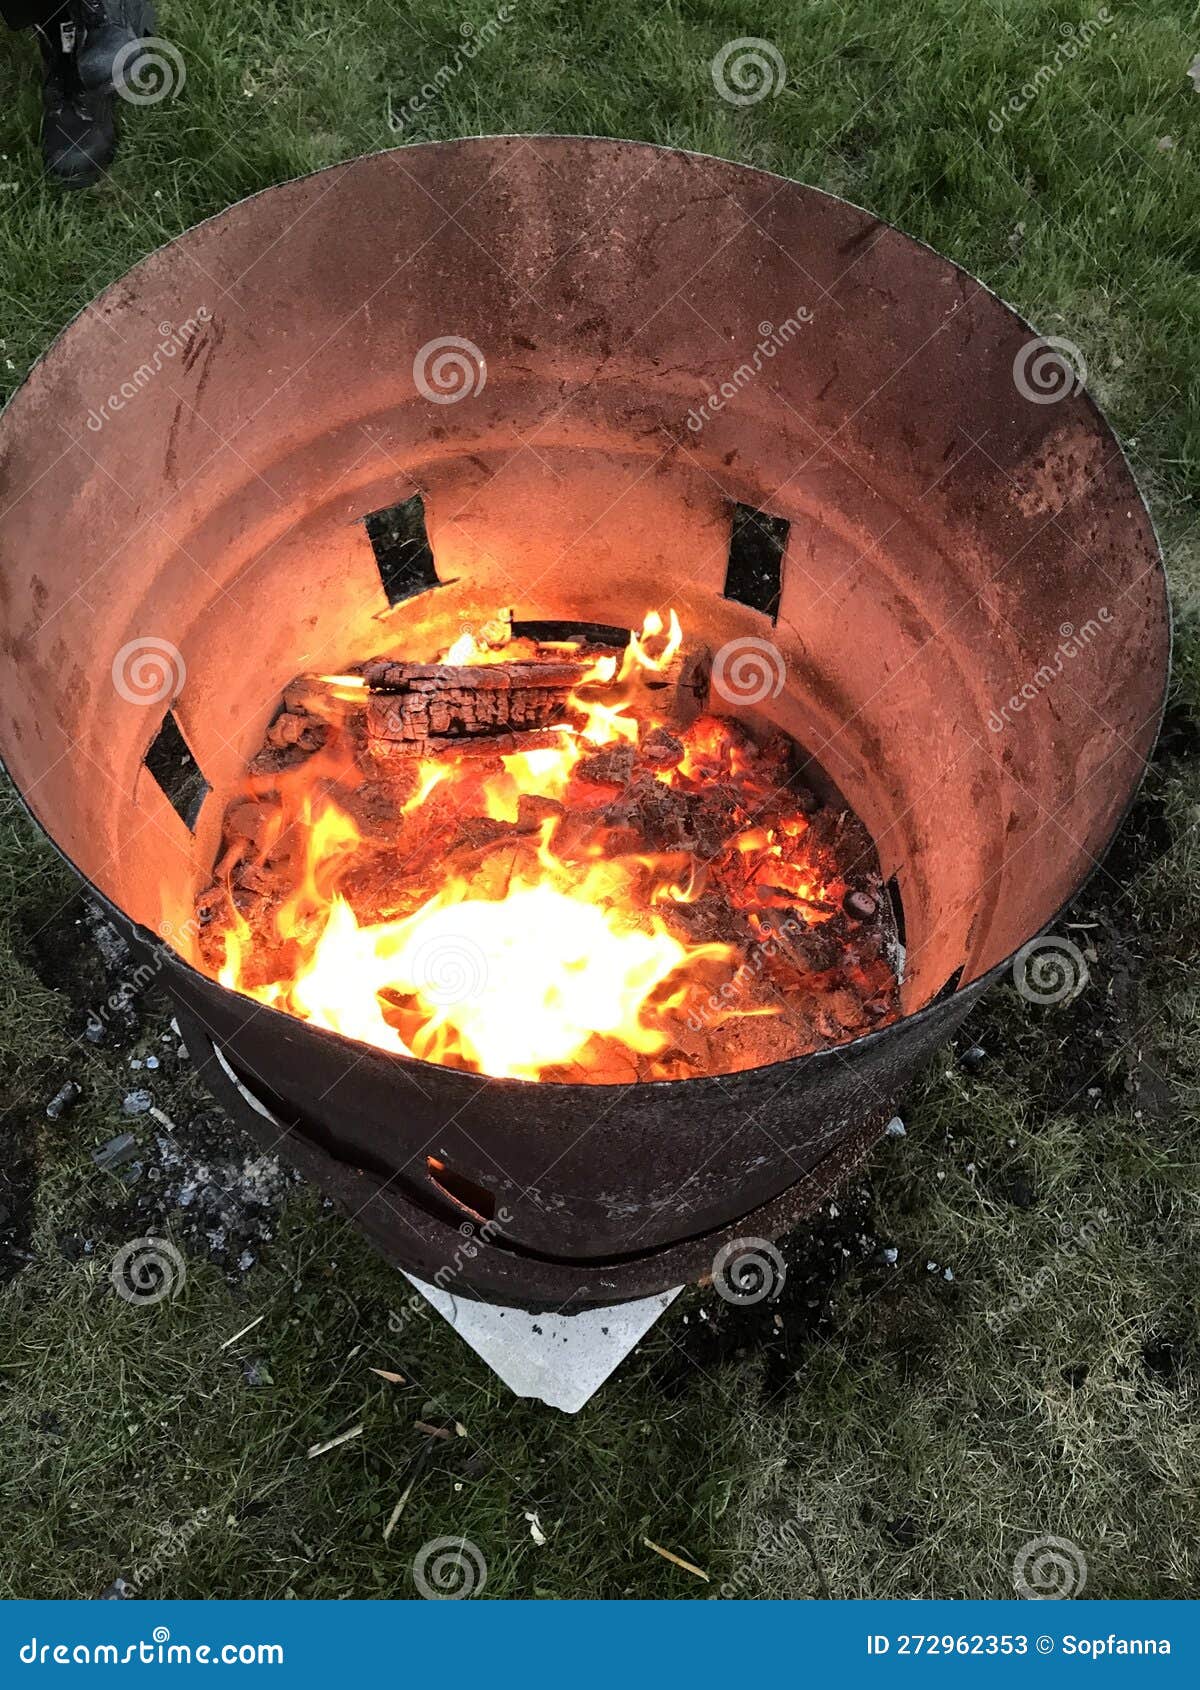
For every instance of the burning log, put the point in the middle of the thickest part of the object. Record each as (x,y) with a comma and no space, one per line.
(428,708)
(421,708)
(465,745)
(385,675)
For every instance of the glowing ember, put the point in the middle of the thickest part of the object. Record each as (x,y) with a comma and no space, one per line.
(630,900)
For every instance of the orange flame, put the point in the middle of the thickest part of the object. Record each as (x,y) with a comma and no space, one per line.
(548,966)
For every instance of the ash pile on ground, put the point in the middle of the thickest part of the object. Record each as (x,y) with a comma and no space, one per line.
(197,1183)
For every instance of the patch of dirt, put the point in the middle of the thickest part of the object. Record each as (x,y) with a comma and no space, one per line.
(902,1531)
(81,956)
(794,1312)
(1095,1051)
(1179,735)
(1145,836)
(18,1187)
(1163,1357)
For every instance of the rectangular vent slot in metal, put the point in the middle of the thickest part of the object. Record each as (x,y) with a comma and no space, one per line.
(402,551)
(177,772)
(754,573)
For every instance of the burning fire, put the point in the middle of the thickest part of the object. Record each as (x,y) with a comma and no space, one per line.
(552,951)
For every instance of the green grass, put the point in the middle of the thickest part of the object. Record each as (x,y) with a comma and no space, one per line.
(904,1447)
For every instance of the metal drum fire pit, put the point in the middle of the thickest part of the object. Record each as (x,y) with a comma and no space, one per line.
(584,365)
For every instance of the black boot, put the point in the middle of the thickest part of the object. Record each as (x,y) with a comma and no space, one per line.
(79,131)
(110,30)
